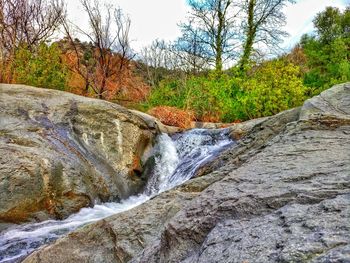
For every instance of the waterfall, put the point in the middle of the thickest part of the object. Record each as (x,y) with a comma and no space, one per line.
(176,160)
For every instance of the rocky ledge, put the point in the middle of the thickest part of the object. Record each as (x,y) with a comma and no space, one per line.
(61,152)
(281,194)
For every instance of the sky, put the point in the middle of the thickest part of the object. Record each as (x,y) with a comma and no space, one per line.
(159,19)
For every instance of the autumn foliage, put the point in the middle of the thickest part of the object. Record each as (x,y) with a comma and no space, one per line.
(122,85)
(173,116)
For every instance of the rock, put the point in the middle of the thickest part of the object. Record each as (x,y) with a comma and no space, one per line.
(122,236)
(239,130)
(294,233)
(207,125)
(252,136)
(332,103)
(154,122)
(282,194)
(61,152)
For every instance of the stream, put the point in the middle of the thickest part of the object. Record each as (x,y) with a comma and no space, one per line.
(176,158)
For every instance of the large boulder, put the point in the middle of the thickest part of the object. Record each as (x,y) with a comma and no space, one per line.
(282,194)
(60,152)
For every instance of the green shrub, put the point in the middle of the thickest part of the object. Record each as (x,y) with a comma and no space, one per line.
(208,97)
(169,93)
(41,67)
(275,86)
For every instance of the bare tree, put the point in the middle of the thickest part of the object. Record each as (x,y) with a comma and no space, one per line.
(154,58)
(28,23)
(123,47)
(262,24)
(212,27)
(110,47)
(161,60)
(190,50)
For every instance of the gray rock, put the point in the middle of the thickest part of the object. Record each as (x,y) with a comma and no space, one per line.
(120,237)
(333,102)
(282,194)
(60,152)
(294,233)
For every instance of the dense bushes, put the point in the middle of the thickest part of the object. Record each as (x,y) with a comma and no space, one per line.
(41,67)
(328,51)
(266,90)
(209,97)
(274,86)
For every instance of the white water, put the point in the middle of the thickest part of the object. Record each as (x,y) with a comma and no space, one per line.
(176,161)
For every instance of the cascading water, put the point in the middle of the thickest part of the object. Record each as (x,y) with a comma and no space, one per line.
(176,161)
(187,152)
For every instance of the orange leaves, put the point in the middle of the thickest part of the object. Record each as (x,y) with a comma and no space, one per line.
(113,78)
(173,116)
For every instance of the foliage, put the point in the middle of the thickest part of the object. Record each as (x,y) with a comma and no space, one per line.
(41,68)
(169,93)
(210,97)
(207,96)
(183,87)
(173,116)
(270,88)
(328,52)
(25,23)
(273,87)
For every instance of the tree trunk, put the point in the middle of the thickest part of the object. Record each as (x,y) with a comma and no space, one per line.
(218,40)
(87,85)
(250,36)
(218,60)
(102,88)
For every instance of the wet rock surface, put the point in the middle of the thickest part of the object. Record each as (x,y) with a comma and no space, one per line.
(282,194)
(61,152)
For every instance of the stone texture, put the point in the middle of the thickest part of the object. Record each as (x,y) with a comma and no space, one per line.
(61,152)
(282,194)
(120,237)
(294,233)
(333,102)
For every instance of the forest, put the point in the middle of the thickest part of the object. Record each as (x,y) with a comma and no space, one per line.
(227,66)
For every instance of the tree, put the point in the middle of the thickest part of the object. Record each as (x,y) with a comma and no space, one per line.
(328,25)
(27,23)
(159,60)
(211,28)
(191,52)
(328,50)
(262,24)
(109,53)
